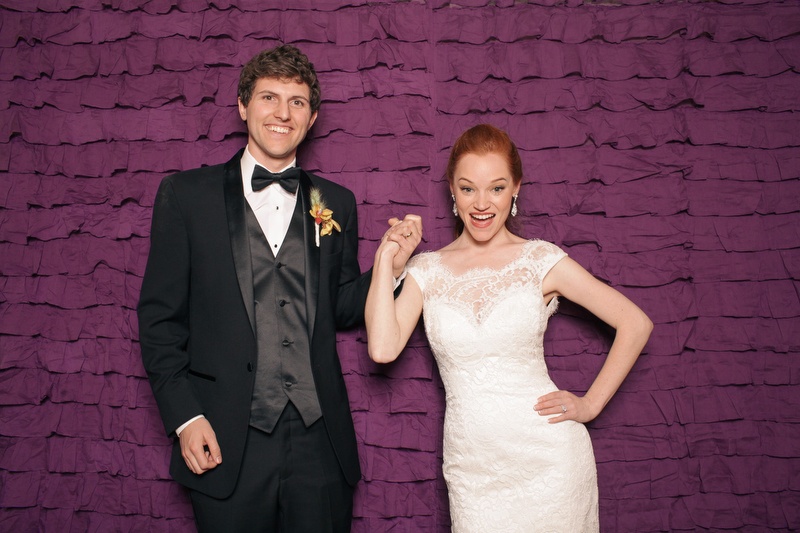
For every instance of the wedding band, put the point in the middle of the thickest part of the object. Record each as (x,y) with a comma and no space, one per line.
(407,235)
(563,408)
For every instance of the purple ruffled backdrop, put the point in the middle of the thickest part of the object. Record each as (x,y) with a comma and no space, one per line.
(661,148)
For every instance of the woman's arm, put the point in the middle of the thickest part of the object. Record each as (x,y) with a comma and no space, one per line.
(632,327)
(390,321)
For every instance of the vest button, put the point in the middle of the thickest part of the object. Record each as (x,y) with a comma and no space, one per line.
(249,367)
(286,342)
(282,303)
(287,384)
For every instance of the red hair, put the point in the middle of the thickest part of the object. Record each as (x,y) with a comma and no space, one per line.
(484,139)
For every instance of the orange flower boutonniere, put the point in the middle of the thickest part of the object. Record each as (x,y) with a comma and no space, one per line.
(322,216)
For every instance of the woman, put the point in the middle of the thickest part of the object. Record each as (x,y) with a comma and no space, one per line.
(517,456)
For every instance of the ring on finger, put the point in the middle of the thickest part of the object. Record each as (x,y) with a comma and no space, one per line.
(407,235)
(563,408)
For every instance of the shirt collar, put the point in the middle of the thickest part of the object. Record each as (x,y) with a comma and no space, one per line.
(248,164)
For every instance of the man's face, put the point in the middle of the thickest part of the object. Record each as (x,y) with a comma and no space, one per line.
(278,117)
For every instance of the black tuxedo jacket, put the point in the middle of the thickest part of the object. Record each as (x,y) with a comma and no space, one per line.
(196,318)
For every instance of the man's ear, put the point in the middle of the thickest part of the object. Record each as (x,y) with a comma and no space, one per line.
(313,119)
(242,109)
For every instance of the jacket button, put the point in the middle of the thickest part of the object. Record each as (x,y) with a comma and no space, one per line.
(249,367)
(278,264)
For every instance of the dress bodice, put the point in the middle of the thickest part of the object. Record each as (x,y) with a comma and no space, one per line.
(485,326)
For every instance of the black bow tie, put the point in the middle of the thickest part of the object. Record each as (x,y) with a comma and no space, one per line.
(288,179)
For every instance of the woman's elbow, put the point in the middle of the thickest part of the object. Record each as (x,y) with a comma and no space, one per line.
(644,325)
(382,354)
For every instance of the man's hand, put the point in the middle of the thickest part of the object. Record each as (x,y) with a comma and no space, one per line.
(199,446)
(407,233)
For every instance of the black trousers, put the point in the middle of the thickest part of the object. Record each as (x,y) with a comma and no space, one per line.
(290,482)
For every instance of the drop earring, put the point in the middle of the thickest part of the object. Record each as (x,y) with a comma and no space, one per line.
(514,206)
(455,209)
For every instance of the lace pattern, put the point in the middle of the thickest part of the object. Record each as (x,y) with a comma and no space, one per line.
(482,288)
(506,468)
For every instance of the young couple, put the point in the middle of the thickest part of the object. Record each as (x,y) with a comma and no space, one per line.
(252,269)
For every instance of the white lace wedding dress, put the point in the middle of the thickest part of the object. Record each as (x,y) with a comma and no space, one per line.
(506,468)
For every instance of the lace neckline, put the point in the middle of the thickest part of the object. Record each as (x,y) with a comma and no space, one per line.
(484,270)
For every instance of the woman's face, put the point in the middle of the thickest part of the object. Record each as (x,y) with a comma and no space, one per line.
(484,191)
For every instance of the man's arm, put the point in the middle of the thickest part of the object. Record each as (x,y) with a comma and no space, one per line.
(164,331)
(353,285)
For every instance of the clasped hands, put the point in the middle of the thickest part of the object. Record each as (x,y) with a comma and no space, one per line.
(400,241)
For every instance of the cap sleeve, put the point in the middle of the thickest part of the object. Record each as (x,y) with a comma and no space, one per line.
(546,256)
(543,257)
(418,267)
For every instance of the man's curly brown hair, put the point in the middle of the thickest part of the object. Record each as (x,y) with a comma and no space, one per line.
(284,62)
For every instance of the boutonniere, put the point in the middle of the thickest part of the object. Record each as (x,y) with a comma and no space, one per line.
(323,220)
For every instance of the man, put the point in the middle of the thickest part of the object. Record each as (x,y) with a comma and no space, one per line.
(241,298)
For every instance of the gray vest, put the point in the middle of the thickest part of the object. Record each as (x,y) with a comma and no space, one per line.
(283,368)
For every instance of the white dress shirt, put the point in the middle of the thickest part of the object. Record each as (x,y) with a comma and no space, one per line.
(273,206)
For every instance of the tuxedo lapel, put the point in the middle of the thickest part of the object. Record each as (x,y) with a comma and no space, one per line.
(311,253)
(235,210)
